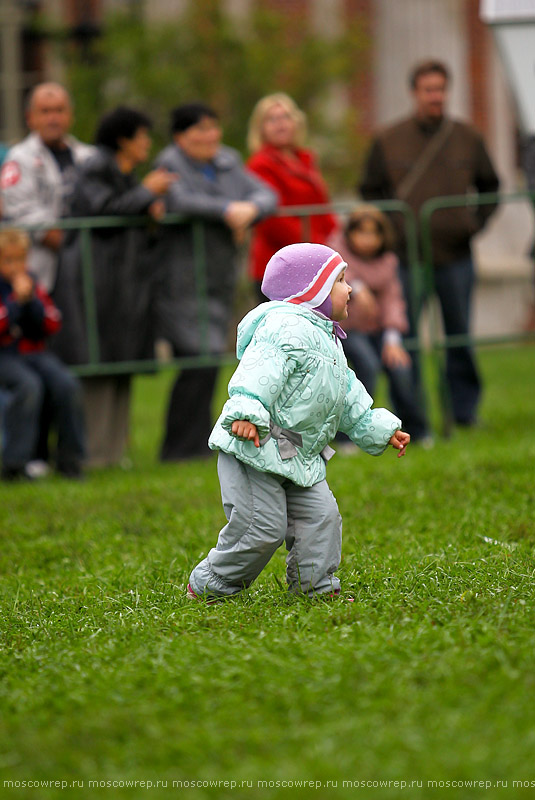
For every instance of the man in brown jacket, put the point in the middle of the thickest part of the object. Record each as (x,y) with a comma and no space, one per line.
(429,155)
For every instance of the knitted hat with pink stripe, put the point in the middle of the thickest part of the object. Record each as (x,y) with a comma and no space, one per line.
(303,274)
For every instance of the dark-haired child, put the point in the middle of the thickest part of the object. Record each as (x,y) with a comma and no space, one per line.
(377,316)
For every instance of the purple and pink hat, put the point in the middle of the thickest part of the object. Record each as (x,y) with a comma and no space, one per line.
(303,274)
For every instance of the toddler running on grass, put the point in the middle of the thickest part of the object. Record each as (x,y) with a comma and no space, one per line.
(289,395)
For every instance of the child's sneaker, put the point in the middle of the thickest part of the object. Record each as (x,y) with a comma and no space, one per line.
(335,595)
(190,594)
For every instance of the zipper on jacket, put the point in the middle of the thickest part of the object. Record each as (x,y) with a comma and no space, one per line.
(333,334)
(293,391)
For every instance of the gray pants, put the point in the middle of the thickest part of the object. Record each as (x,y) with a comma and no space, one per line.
(107,410)
(263,511)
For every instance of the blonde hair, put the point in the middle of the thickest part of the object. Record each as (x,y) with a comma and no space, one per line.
(384,226)
(255,139)
(14,236)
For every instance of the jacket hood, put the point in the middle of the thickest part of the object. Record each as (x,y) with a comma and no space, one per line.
(251,321)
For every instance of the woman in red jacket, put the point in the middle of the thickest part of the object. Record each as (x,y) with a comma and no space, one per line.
(276,134)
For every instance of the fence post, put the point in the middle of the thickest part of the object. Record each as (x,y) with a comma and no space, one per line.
(420,267)
(438,354)
(439,349)
(199,259)
(90,305)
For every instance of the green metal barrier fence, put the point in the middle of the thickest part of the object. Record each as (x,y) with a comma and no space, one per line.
(441,343)
(84,225)
(94,366)
(417,234)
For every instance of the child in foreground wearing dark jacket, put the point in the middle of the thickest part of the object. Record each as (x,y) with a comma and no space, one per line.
(28,373)
(289,395)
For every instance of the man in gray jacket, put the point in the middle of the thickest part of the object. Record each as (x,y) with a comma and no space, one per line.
(38,176)
(194,305)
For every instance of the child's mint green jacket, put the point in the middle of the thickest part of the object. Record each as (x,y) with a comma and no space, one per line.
(293,375)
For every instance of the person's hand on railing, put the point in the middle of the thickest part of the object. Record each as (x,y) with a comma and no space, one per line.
(53,239)
(156,210)
(238,216)
(159,180)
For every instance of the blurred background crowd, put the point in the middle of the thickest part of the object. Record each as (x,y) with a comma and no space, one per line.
(230,113)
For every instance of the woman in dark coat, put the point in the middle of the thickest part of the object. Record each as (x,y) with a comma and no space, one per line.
(214,187)
(122,276)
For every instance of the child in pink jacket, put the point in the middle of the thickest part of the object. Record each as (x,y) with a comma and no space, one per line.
(377,317)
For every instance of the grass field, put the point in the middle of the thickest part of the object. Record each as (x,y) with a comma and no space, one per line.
(423,671)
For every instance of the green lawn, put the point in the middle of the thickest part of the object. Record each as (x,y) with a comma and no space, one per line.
(424,670)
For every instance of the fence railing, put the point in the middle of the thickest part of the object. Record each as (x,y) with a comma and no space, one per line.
(85,225)
(420,261)
(94,365)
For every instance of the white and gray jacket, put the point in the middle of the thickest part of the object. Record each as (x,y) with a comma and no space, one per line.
(32,194)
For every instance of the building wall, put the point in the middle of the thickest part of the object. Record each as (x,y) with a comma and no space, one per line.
(409,31)
(451,30)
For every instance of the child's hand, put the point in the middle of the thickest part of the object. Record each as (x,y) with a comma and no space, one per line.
(400,440)
(246,430)
(156,210)
(22,287)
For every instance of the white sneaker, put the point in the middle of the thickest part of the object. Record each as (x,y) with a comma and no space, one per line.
(426,442)
(346,448)
(37,469)
(210,600)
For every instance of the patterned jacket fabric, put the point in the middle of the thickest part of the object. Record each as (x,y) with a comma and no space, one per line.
(293,374)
